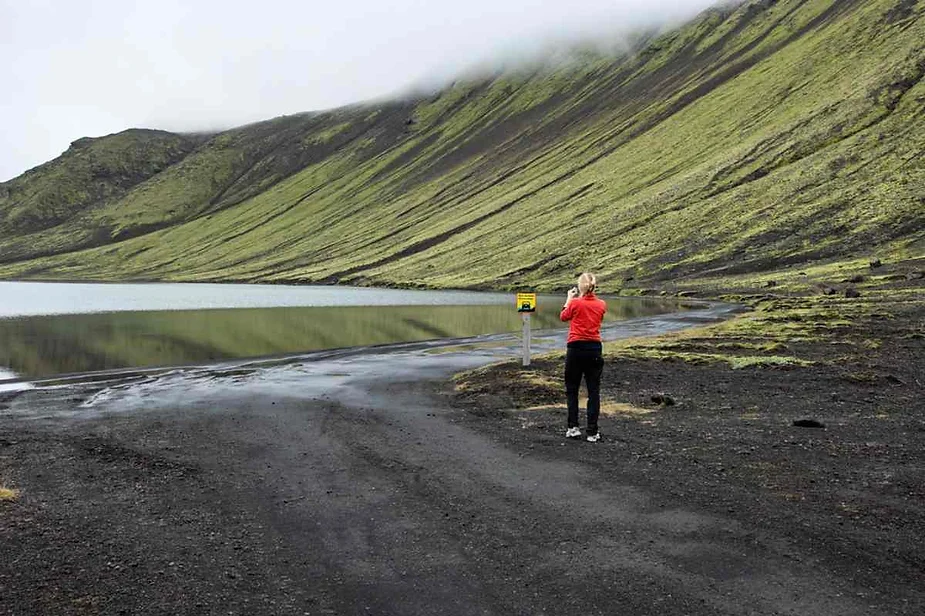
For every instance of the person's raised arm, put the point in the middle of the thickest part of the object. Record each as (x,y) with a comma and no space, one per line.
(566,313)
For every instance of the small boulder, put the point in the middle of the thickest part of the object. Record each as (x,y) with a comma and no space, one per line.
(663,399)
(808,423)
(852,292)
(915,275)
(855,279)
(876,263)
(770,283)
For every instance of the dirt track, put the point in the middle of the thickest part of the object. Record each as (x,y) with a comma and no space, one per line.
(362,487)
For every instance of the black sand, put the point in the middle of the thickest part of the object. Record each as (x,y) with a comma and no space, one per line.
(365,485)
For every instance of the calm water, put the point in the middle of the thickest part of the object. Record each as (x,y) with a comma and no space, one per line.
(50,328)
(40,298)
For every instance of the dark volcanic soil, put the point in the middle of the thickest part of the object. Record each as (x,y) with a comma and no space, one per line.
(380,494)
(847,498)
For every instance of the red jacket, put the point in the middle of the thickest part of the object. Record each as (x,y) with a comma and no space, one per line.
(585,313)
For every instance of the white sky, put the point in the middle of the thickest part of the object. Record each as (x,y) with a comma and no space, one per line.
(92,67)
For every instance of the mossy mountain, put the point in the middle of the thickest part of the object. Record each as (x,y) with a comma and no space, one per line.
(770,135)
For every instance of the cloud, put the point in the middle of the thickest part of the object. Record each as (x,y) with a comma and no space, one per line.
(93,67)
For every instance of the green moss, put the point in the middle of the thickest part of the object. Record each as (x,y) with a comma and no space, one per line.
(773,142)
(764,361)
(325,135)
(737,362)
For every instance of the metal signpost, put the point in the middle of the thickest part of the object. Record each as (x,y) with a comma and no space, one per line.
(526,304)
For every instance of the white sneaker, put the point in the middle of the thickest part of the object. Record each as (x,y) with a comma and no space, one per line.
(593,438)
(573,433)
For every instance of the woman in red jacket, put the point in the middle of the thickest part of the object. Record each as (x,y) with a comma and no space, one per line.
(583,356)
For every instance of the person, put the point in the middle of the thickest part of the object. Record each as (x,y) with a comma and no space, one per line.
(584,312)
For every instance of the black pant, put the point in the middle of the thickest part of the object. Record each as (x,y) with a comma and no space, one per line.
(583,359)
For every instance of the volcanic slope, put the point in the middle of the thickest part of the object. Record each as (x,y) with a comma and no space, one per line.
(755,138)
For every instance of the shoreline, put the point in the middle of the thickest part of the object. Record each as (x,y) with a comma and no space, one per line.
(688,306)
(343,485)
(315,283)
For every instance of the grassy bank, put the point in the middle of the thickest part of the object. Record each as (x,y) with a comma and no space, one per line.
(823,318)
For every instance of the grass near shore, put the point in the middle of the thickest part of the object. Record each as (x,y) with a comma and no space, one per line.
(769,336)
(7,494)
(811,322)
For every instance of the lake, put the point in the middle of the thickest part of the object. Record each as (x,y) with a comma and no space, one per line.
(49,329)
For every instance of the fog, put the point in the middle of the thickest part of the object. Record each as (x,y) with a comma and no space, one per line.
(90,68)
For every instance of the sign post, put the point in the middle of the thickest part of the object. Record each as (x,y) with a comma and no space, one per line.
(526,304)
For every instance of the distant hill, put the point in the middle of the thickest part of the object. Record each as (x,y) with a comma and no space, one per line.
(757,137)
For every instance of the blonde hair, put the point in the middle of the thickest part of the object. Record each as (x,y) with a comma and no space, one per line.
(587,283)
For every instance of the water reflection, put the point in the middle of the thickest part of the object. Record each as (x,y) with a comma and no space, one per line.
(49,345)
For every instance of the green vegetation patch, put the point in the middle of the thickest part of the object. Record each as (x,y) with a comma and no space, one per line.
(735,361)
(778,141)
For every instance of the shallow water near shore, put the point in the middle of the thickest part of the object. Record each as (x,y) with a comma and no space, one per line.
(51,329)
(348,375)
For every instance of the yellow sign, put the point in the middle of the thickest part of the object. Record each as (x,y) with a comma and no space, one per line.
(526,302)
